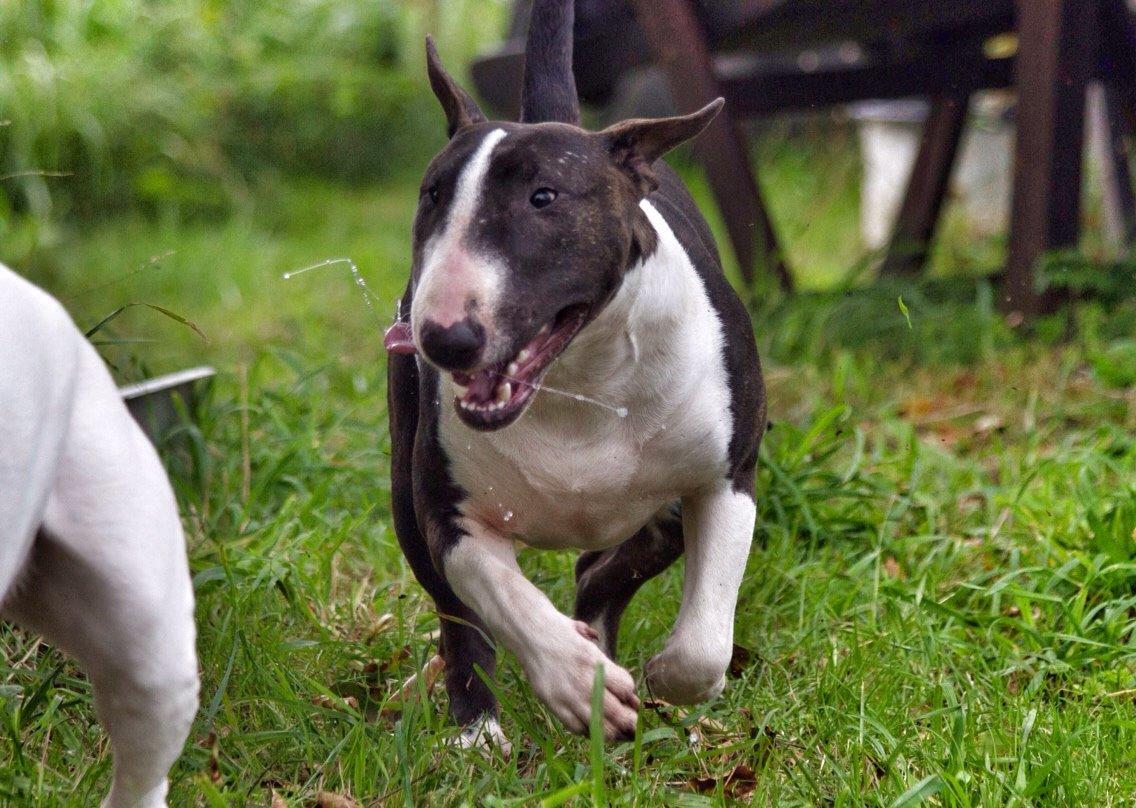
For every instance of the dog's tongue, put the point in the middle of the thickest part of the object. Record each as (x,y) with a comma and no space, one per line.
(399,339)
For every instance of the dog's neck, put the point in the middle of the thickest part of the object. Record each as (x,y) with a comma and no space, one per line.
(628,355)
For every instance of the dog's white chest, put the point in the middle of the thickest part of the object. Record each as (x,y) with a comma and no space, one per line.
(571,473)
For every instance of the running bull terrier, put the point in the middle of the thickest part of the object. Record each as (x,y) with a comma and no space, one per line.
(546,259)
(91,548)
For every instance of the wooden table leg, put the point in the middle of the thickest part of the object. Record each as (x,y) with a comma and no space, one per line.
(1058,51)
(930,176)
(680,48)
(927,189)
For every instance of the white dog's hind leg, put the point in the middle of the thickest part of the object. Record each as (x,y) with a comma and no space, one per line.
(109,583)
(718,531)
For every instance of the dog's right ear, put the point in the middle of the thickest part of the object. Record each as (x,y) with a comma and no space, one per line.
(461,110)
(636,144)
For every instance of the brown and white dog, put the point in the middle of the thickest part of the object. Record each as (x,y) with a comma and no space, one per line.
(91,548)
(547,256)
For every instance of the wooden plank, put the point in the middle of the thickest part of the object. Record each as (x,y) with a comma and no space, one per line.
(930,178)
(680,48)
(771,92)
(1057,53)
(809,23)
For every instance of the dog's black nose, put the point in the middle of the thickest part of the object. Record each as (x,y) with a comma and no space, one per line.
(457,347)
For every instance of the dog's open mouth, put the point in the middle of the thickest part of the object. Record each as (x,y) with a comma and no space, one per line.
(495,396)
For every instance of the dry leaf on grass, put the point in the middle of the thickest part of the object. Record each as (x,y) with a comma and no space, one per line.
(326,799)
(276,801)
(738,784)
(740,659)
(379,625)
(329,703)
(409,690)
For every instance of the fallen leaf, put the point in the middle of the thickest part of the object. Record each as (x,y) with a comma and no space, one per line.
(703,785)
(409,690)
(738,784)
(379,625)
(740,659)
(329,703)
(741,782)
(276,801)
(918,406)
(326,799)
(892,568)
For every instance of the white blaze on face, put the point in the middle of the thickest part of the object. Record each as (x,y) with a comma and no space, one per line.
(453,276)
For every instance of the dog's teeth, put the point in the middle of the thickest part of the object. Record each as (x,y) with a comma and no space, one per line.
(513,369)
(504,393)
(522,357)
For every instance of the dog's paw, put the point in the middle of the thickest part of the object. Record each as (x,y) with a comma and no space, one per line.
(681,676)
(485,735)
(563,673)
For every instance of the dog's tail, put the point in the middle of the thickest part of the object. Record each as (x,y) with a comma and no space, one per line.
(549,90)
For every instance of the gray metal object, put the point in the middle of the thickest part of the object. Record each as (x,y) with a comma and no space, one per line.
(152,402)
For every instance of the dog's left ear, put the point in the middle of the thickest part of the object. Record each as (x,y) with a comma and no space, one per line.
(461,110)
(636,144)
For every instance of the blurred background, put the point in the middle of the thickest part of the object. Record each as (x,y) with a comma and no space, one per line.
(188,154)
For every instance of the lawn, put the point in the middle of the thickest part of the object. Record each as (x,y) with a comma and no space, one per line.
(940,606)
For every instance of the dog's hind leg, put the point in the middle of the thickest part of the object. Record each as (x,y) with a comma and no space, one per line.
(108,582)
(606,580)
(718,530)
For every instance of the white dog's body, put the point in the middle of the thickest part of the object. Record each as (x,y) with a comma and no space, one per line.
(91,548)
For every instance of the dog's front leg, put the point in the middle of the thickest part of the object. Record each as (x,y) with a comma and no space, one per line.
(718,530)
(559,654)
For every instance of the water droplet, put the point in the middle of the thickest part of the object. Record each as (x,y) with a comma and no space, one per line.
(358,276)
(620,411)
(508,515)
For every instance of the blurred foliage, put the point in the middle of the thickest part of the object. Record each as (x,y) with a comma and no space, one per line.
(173,107)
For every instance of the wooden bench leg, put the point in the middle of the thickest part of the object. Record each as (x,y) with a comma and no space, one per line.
(1058,51)
(927,189)
(680,48)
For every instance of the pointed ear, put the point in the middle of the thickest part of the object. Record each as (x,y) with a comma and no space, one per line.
(460,109)
(636,144)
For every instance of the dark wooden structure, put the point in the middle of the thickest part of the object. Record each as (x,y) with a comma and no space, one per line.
(938,49)
(751,52)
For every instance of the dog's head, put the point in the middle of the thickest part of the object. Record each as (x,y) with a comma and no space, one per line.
(523,233)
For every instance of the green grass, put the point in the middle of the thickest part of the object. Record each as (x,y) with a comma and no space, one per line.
(940,606)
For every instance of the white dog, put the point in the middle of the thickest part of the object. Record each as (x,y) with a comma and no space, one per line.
(91,549)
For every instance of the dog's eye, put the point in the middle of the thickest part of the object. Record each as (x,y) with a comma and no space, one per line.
(542,197)
(432,194)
